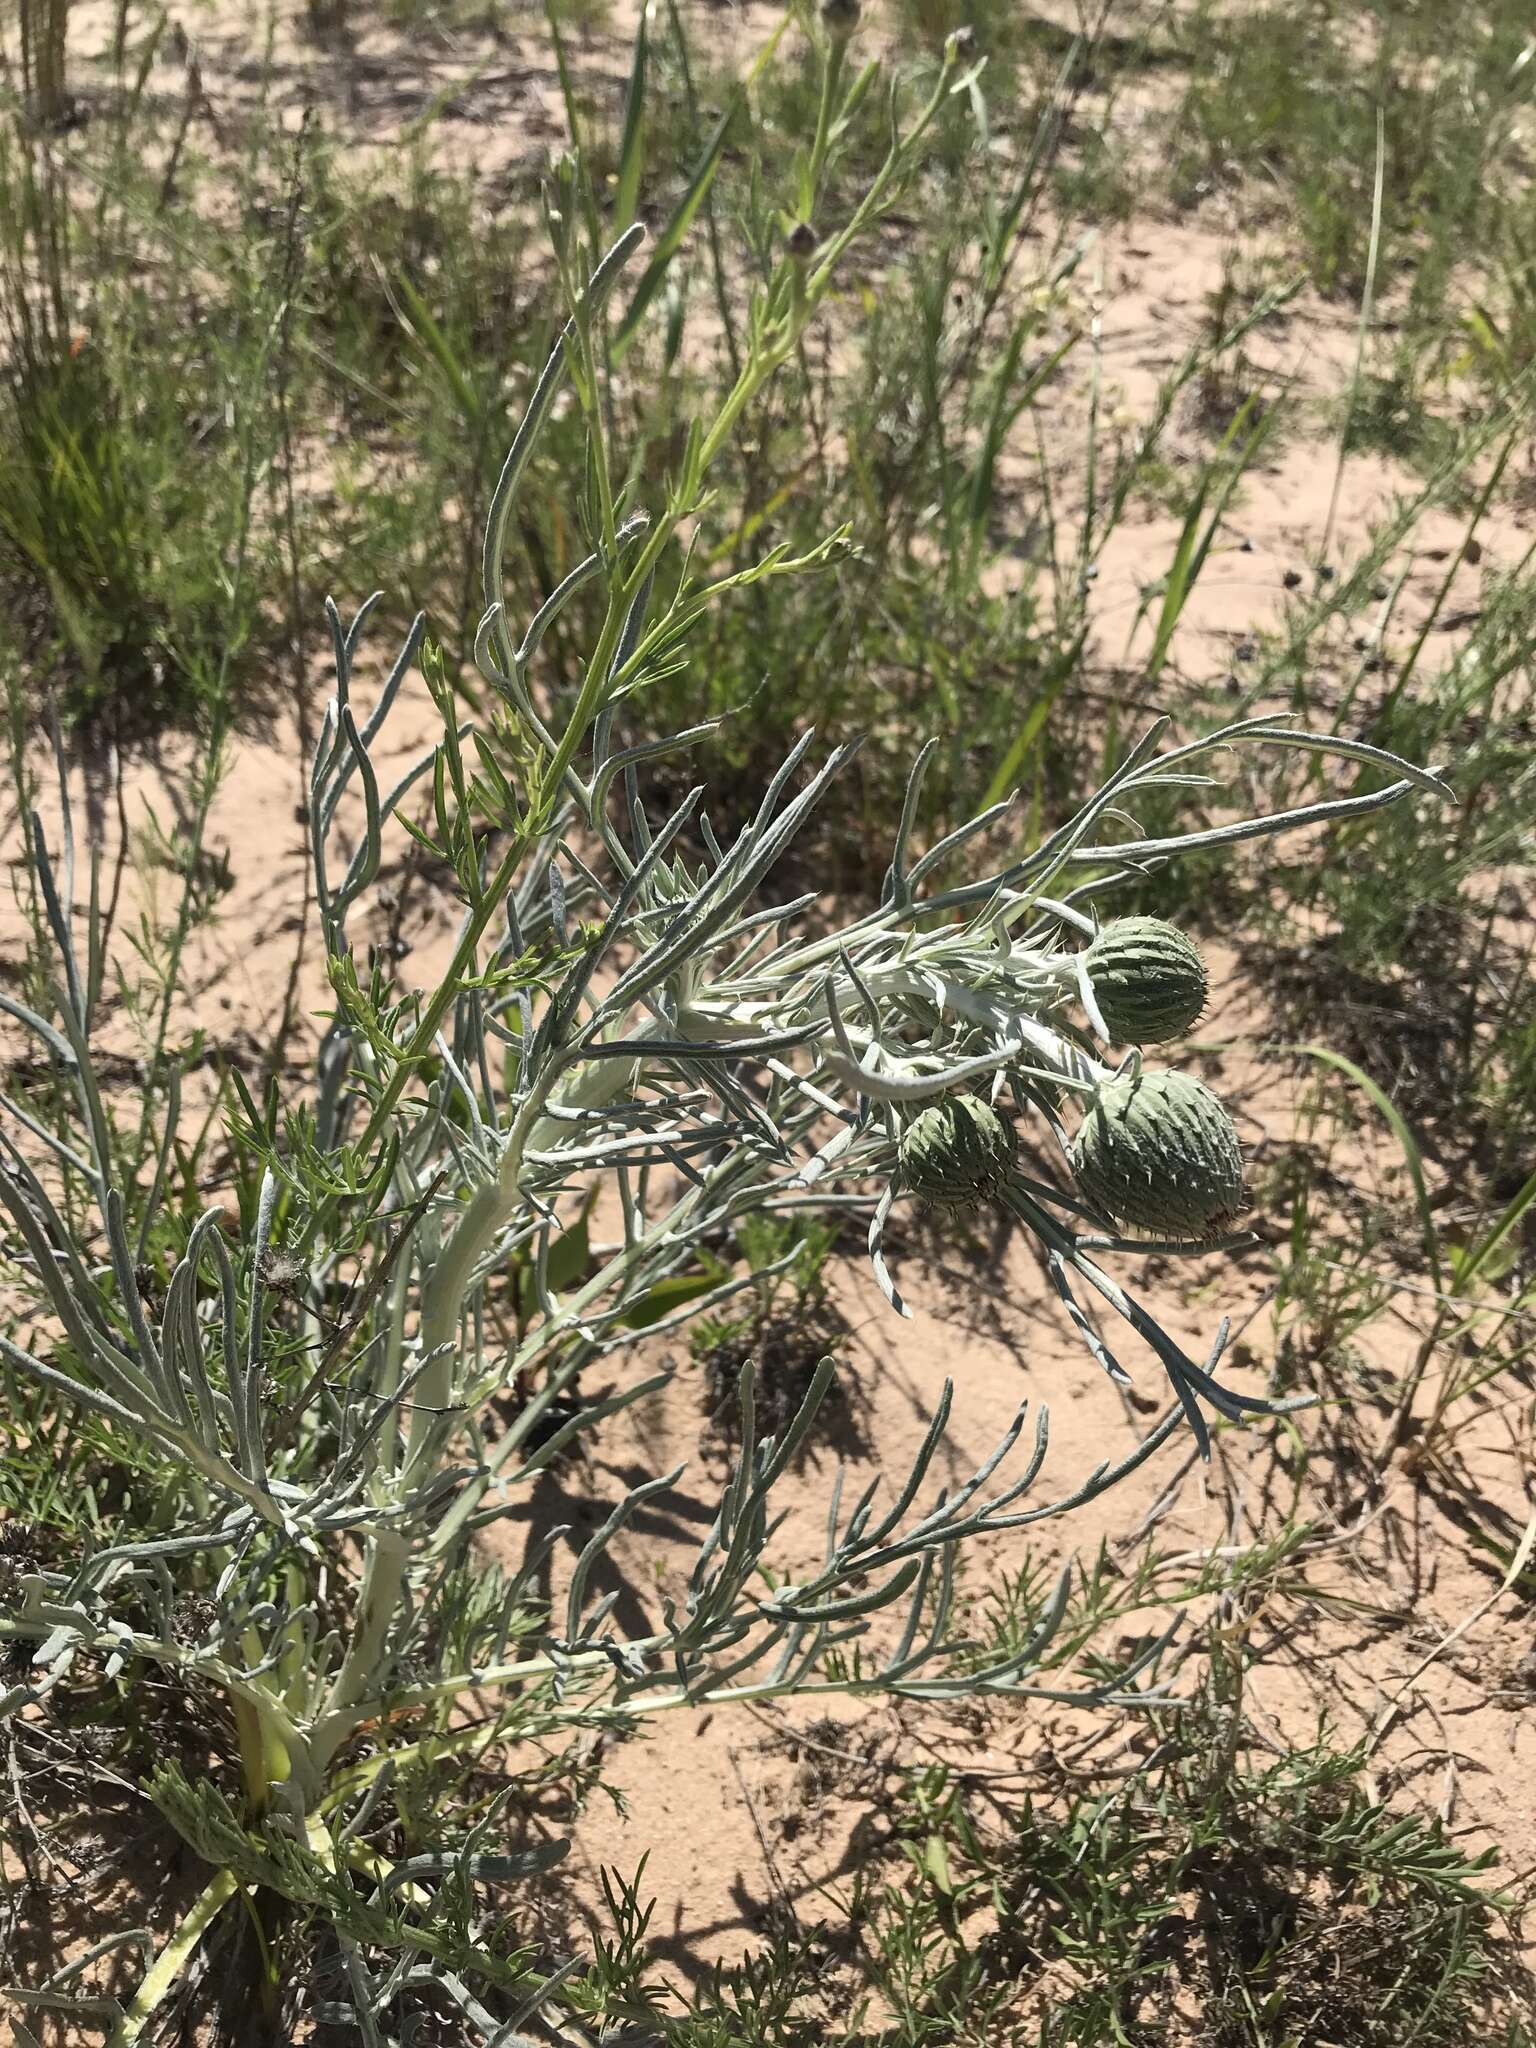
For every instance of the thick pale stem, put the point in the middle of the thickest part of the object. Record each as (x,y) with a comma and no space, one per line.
(264,1759)
(165,1972)
(482,1217)
(384,1570)
(389,1551)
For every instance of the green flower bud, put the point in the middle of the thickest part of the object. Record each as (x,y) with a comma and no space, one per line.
(1148,980)
(1158,1150)
(958,1153)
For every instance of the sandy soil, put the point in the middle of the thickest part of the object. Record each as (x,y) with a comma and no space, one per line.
(747,1816)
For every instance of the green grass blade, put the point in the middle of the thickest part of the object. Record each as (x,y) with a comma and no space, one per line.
(1367,311)
(1007,772)
(1465,1271)
(1195,541)
(1001,414)
(574,124)
(670,238)
(632,148)
(1029,183)
(418,321)
(1412,1157)
(567,84)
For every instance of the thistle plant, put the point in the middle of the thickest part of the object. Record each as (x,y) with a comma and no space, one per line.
(321,1390)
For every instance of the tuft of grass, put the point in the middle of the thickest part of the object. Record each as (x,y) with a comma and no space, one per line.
(1218,1897)
(127,549)
(1291,96)
(786,1328)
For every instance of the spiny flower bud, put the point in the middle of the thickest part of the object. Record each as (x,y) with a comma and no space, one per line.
(19,1547)
(1158,1150)
(1148,980)
(18,1538)
(958,1153)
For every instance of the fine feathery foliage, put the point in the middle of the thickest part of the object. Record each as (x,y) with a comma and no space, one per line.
(308,1394)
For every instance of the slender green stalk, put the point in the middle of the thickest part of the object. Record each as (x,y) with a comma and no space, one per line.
(165,1973)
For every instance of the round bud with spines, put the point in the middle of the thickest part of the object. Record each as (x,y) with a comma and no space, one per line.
(1158,1151)
(1148,980)
(802,242)
(958,1153)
